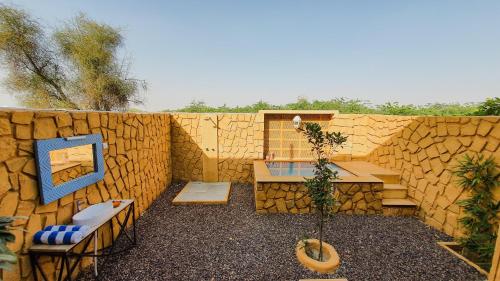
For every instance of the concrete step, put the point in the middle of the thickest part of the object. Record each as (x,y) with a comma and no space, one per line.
(389,178)
(398,203)
(394,191)
(398,207)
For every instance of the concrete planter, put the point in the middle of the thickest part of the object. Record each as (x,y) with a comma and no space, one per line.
(331,257)
(456,250)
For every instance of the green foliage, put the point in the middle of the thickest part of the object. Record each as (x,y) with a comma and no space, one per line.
(344,105)
(489,107)
(481,177)
(76,68)
(7,257)
(321,187)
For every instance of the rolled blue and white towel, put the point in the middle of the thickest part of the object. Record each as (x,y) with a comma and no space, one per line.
(58,237)
(81,228)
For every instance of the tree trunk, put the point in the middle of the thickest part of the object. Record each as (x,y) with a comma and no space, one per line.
(321,235)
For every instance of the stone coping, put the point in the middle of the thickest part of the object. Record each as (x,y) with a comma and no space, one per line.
(361,174)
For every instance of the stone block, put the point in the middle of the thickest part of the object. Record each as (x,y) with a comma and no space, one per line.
(45,128)
(28,187)
(63,119)
(34,225)
(47,208)
(22,117)
(5,128)
(358,196)
(369,197)
(271,193)
(453,129)
(15,164)
(441,129)
(261,195)
(23,132)
(80,127)
(8,205)
(24,209)
(425,142)
(269,203)
(478,144)
(30,167)
(346,206)
(468,129)
(93,120)
(281,205)
(452,145)
(7,148)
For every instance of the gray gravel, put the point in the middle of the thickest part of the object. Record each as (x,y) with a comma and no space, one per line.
(234,243)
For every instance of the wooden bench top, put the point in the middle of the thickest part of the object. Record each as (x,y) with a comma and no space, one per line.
(44,248)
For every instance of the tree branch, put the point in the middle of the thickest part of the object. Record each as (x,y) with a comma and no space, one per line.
(62,96)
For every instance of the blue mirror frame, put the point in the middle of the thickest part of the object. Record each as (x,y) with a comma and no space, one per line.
(49,192)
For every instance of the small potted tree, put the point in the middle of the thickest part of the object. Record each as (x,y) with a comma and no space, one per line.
(316,254)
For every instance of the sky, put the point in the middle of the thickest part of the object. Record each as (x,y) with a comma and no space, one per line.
(240,52)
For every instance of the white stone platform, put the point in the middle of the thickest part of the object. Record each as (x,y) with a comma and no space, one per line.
(196,192)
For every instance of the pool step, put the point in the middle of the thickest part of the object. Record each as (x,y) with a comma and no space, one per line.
(394,191)
(398,202)
(398,207)
(388,178)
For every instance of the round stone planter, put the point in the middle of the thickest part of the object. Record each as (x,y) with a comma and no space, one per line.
(331,257)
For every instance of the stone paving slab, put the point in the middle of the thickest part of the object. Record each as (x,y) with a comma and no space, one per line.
(196,192)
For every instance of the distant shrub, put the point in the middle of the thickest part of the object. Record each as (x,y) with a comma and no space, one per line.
(489,107)
(345,105)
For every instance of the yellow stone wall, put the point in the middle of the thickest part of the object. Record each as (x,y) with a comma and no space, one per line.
(186,147)
(138,165)
(291,197)
(240,140)
(364,133)
(422,149)
(426,152)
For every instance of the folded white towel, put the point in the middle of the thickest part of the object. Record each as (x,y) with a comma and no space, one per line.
(81,228)
(58,237)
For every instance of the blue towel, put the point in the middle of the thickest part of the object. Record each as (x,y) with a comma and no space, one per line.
(81,228)
(58,237)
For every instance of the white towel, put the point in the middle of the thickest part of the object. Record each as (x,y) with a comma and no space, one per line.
(81,228)
(58,237)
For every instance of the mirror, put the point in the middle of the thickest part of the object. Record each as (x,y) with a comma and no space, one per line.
(71,163)
(65,165)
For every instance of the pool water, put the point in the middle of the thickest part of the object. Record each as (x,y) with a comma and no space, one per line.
(306,169)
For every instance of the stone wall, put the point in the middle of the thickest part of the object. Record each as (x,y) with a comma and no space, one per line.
(137,166)
(426,152)
(366,132)
(240,141)
(187,155)
(352,198)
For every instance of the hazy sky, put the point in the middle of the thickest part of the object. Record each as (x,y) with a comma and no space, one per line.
(239,52)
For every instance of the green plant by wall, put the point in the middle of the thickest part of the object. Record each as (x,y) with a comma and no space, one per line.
(321,187)
(7,257)
(480,176)
(489,107)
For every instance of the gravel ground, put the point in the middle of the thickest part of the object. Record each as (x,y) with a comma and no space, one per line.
(234,243)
